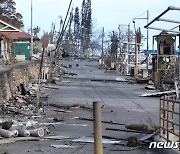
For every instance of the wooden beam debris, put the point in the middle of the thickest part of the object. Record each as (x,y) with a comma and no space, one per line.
(124,130)
(114,138)
(107,122)
(76,106)
(12,140)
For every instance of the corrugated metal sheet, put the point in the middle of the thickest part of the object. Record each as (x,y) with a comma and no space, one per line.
(16,35)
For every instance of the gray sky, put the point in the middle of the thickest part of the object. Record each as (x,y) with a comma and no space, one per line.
(105,13)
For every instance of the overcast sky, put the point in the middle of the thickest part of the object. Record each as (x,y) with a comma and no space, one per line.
(105,13)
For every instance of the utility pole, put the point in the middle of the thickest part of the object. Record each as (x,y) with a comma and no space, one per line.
(45,42)
(119,28)
(147,53)
(147,41)
(63,28)
(128,47)
(179,38)
(102,54)
(31,51)
(136,69)
(128,50)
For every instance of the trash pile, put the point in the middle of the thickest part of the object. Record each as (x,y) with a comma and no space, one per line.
(20,107)
(23,106)
(23,102)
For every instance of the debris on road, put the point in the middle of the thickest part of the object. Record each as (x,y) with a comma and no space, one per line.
(133,142)
(139,127)
(12,140)
(6,125)
(58,120)
(53,81)
(23,132)
(39,132)
(6,133)
(158,94)
(108,122)
(124,130)
(72,107)
(63,111)
(150,87)
(146,137)
(57,137)
(113,138)
(109,80)
(142,81)
(65,146)
(91,140)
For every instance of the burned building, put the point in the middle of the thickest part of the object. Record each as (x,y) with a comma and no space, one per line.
(164,61)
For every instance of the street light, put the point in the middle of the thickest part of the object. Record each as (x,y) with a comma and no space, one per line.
(147,18)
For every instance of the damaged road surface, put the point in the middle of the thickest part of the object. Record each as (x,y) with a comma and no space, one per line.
(67,114)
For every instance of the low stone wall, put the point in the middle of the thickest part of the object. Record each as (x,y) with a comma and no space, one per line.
(11,78)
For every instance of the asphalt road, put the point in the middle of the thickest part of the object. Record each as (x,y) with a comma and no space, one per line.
(121,100)
(91,84)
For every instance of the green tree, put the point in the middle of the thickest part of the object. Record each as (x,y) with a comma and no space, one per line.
(86,24)
(8,13)
(77,29)
(76,24)
(89,20)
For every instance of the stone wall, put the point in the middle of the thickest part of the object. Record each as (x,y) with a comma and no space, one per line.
(11,78)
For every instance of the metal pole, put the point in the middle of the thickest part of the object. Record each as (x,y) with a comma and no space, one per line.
(136,55)
(147,53)
(162,29)
(119,28)
(98,148)
(179,38)
(31,52)
(128,45)
(136,51)
(155,19)
(39,78)
(103,42)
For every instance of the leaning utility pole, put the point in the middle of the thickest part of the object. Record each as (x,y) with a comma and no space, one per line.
(45,42)
(63,27)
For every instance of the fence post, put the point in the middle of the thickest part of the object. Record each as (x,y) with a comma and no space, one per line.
(98,148)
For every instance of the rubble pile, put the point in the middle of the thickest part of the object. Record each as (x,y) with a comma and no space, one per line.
(20,106)
(18,111)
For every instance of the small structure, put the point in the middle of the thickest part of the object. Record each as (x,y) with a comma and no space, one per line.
(14,42)
(164,65)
